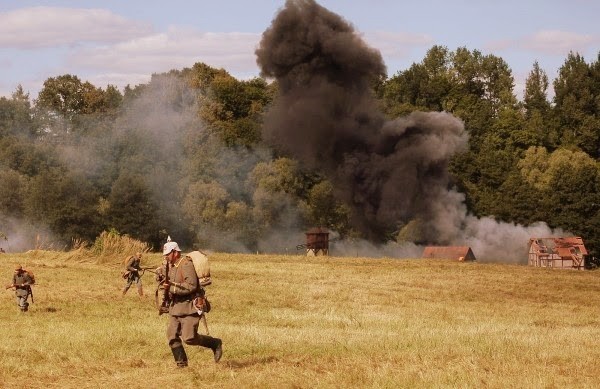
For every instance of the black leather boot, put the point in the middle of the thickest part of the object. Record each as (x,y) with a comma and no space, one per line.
(180,356)
(218,350)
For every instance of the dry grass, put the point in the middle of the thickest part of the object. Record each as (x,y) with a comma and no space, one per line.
(298,322)
(110,247)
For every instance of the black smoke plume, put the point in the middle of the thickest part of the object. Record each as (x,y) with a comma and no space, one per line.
(389,171)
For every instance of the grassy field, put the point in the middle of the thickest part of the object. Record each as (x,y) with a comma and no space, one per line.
(298,322)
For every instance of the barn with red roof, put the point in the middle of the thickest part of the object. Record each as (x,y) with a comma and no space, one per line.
(457,253)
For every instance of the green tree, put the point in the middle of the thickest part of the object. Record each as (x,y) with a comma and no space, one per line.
(63,95)
(12,191)
(132,209)
(480,174)
(540,128)
(67,105)
(482,86)
(16,116)
(72,213)
(577,106)
(325,210)
(536,91)
(568,185)
(234,109)
(423,86)
(205,204)
(279,175)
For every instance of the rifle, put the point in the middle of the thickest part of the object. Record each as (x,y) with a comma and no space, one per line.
(150,269)
(164,307)
(140,271)
(16,286)
(29,290)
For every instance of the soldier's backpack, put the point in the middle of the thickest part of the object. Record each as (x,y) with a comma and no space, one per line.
(30,274)
(127,258)
(125,273)
(202,267)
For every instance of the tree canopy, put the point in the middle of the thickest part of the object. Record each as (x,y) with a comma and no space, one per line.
(185,154)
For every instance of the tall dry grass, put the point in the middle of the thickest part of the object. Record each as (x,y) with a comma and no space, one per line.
(110,247)
(298,322)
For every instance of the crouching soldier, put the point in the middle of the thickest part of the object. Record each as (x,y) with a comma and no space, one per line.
(22,282)
(182,285)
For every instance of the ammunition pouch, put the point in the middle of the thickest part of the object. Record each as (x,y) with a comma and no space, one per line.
(202,304)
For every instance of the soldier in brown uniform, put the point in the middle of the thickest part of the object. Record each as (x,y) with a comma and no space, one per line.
(183,287)
(132,273)
(22,282)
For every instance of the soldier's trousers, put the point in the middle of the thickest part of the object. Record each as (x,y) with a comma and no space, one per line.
(185,328)
(137,280)
(22,302)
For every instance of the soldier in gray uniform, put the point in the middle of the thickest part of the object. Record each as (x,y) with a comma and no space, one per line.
(182,284)
(132,273)
(22,282)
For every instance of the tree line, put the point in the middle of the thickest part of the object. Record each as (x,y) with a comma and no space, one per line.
(183,155)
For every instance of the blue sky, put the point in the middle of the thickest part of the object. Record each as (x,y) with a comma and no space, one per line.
(124,42)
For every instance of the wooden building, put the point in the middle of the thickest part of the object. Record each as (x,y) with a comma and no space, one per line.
(317,242)
(560,253)
(456,253)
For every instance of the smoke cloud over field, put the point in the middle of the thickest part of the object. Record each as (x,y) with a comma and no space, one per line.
(391,172)
(17,236)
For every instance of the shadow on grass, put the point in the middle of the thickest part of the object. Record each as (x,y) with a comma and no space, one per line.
(252,362)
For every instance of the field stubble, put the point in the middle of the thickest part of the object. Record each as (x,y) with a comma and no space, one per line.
(293,321)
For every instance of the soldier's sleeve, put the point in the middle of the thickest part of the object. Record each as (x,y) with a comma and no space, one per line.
(189,283)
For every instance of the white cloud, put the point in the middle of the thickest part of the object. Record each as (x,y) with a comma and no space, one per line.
(41,27)
(396,44)
(174,49)
(125,62)
(6,63)
(558,42)
(499,45)
(119,80)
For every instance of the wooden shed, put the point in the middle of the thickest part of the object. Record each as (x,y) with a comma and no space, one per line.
(560,253)
(317,242)
(457,253)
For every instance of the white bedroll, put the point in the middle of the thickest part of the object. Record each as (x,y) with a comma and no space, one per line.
(202,267)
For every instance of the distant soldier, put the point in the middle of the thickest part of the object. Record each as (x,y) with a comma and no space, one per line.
(182,285)
(22,281)
(132,273)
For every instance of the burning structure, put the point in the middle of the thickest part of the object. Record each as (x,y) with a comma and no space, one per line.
(561,253)
(458,253)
